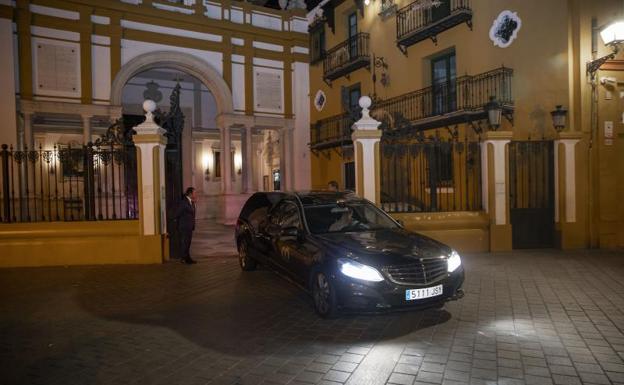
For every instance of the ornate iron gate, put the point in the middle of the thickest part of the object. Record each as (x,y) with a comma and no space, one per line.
(173,123)
(531,194)
(430,174)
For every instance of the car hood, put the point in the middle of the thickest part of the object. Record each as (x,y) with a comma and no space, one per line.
(383,247)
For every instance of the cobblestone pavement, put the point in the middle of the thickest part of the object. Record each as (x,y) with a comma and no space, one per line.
(538,317)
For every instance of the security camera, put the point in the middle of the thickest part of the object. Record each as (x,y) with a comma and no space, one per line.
(608,81)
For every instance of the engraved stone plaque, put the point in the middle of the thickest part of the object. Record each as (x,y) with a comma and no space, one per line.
(57,68)
(268,91)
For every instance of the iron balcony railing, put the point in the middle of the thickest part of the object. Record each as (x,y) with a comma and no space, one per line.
(347,57)
(416,23)
(331,132)
(459,101)
(447,103)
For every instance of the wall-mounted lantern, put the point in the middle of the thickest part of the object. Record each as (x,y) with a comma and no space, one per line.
(559,117)
(494,112)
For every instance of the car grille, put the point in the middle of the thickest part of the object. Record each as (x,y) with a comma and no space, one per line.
(420,273)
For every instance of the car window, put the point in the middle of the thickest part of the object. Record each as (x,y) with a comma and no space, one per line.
(289,216)
(346,216)
(285,215)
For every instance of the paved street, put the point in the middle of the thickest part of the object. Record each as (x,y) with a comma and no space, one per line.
(528,317)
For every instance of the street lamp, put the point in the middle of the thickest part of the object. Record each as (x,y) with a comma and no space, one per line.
(559,117)
(613,34)
(494,112)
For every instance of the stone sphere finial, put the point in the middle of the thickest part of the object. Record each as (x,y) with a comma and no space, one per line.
(149,105)
(365,102)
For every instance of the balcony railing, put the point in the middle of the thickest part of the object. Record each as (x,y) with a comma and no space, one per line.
(447,103)
(443,104)
(416,23)
(346,57)
(331,132)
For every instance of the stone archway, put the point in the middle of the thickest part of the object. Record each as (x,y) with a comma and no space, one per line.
(184,62)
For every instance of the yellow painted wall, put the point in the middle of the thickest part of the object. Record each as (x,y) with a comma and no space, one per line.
(548,59)
(77,243)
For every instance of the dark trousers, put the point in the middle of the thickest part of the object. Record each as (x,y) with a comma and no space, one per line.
(185,245)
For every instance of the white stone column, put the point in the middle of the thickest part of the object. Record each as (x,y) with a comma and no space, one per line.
(494,188)
(150,141)
(366,136)
(247,155)
(86,128)
(226,160)
(566,177)
(286,163)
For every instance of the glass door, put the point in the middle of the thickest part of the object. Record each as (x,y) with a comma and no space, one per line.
(443,78)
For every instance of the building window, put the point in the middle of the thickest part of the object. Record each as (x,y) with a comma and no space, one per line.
(443,84)
(351,97)
(349,176)
(352,30)
(441,11)
(217,164)
(317,44)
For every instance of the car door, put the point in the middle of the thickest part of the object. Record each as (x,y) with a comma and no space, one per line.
(295,251)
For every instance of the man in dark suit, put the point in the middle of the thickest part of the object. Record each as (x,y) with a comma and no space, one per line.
(185,216)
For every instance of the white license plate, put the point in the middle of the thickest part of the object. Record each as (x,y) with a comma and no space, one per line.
(427,292)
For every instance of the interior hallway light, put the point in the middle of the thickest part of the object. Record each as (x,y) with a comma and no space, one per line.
(366,2)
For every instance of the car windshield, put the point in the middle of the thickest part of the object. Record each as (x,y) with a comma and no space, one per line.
(346,217)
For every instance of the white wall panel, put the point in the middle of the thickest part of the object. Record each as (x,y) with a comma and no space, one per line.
(101,74)
(8,129)
(238,86)
(170,31)
(301,135)
(54,33)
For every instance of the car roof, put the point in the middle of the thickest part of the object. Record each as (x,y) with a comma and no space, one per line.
(312,198)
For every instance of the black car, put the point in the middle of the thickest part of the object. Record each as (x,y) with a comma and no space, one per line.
(348,253)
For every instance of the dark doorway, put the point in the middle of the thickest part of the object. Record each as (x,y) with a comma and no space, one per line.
(531,194)
(173,123)
(349,176)
(443,77)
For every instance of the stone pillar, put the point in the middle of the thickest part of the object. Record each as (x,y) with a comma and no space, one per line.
(226,160)
(150,143)
(247,155)
(567,228)
(86,128)
(366,136)
(495,187)
(286,163)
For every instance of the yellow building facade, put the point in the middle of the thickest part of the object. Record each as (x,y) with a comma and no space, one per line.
(432,69)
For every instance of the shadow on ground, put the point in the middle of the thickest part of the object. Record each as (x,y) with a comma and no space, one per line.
(236,313)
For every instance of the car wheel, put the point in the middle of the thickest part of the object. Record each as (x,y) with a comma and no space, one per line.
(324,296)
(245,261)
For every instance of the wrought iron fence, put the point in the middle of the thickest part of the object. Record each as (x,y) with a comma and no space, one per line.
(340,58)
(415,17)
(93,182)
(429,175)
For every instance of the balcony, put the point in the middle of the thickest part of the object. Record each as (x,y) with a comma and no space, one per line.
(460,101)
(346,57)
(442,105)
(415,23)
(331,132)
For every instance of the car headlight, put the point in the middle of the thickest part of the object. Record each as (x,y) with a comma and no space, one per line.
(454,261)
(354,269)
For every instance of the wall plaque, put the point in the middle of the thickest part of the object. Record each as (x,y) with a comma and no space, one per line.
(57,68)
(268,95)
